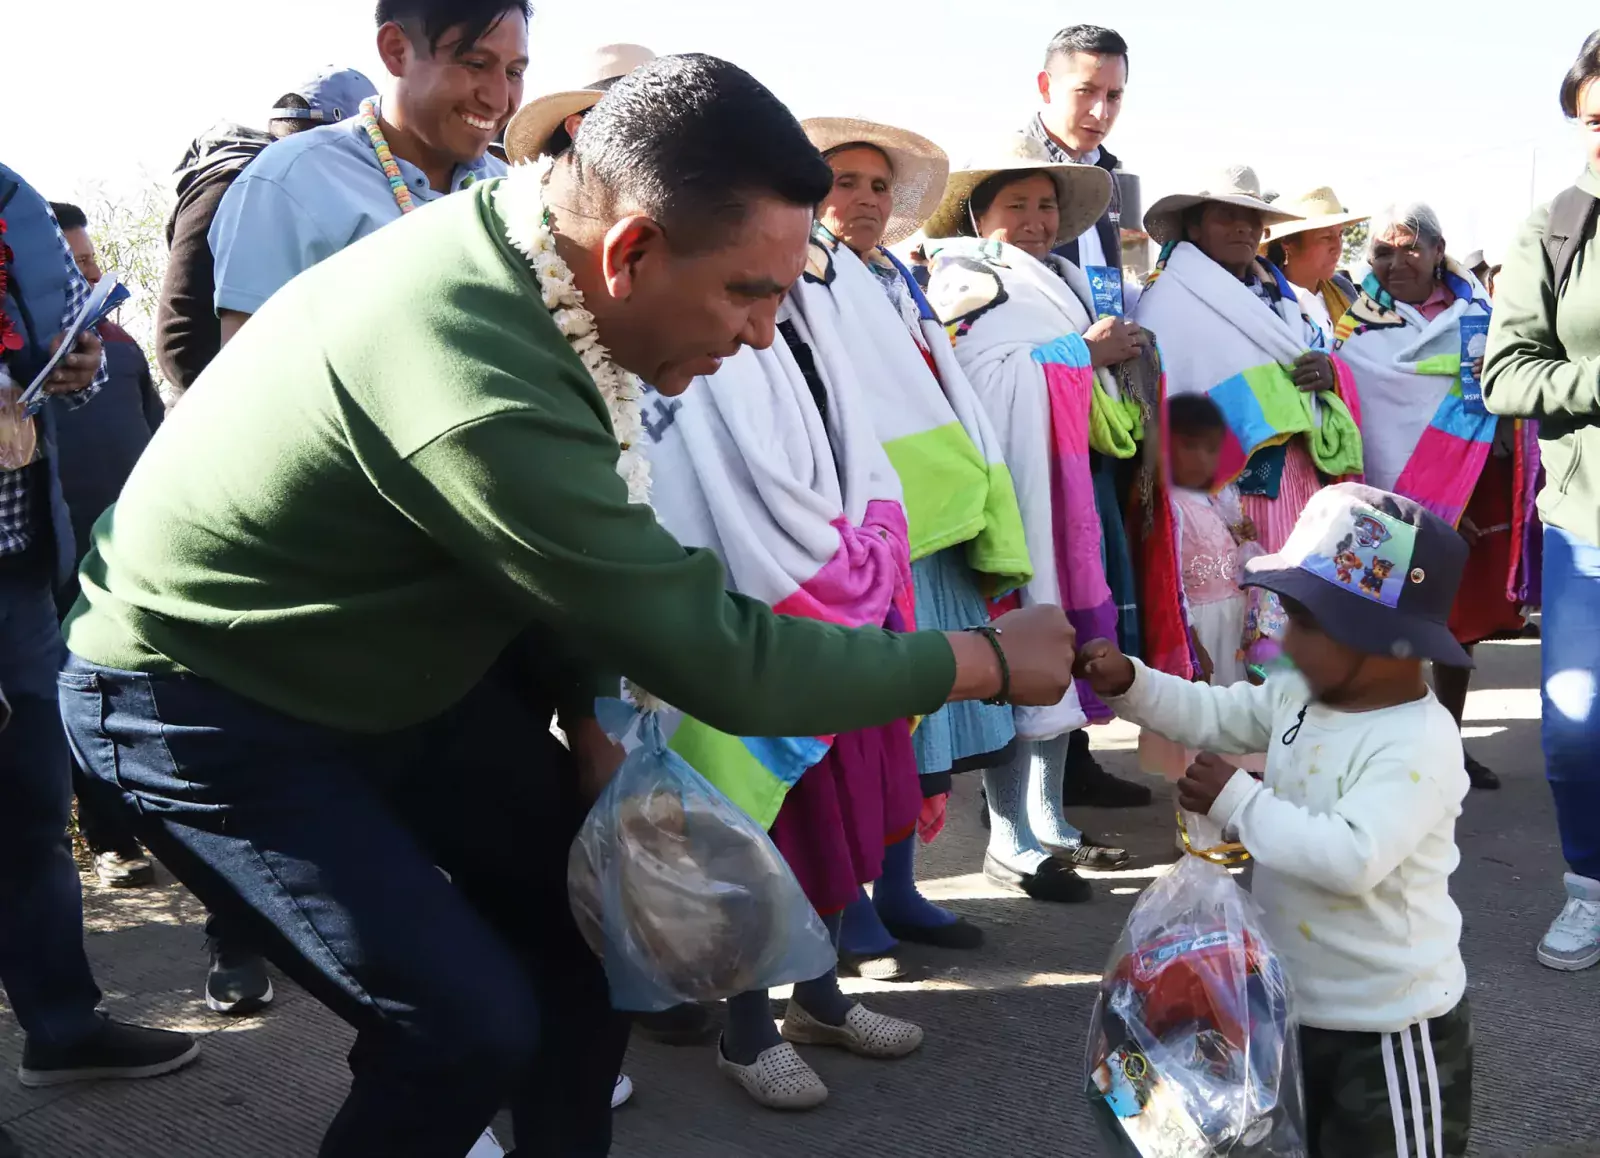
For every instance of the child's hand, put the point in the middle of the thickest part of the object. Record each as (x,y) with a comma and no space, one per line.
(1244,531)
(1204,782)
(1207,666)
(1107,670)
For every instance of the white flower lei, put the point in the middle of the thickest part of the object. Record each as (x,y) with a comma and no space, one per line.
(520,200)
(521,203)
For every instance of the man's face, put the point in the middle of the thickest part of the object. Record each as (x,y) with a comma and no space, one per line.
(459,98)
(679,315)
(83,253)
(1082,98)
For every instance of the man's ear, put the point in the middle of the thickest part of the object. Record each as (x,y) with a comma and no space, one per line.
(1044,85)
(394,48)
(628,243)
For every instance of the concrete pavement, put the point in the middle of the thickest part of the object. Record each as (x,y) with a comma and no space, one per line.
(1002,1068)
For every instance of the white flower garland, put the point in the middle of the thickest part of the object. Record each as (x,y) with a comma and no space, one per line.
(520,200)
(521,203)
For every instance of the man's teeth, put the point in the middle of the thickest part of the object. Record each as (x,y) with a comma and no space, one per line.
(478,123)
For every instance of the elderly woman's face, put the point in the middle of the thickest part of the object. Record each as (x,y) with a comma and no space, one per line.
(1025,213)
(1404,264)
(857,209)
(1228,234)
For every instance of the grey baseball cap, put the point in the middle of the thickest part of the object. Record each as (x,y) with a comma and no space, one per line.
(333,94)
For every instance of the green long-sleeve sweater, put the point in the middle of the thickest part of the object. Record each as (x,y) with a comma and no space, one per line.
(396,467)
(1543,362)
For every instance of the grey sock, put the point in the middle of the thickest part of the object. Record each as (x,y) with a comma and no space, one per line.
(1047,767)
(1011,839)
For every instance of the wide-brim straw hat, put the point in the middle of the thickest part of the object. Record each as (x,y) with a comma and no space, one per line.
(921,168)
(1083,191)
(1235,185)
(529,133)
(1318,209)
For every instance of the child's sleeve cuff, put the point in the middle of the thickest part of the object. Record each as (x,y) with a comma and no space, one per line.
(1230,802)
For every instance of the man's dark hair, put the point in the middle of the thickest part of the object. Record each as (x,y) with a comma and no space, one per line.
(689,141)
(68,215)
(427,21)
(1585,69)
(1087,38)
(1194,414)
(281,127)
(561,140)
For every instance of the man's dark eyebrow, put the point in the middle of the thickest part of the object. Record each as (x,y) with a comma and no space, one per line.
(760,288)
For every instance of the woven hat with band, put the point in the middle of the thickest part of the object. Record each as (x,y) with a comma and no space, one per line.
(1235,185)
(1318,209)
(1082,191)
(920,167)
(529,133)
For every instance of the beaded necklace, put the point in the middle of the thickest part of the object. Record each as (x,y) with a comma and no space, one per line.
(391,167)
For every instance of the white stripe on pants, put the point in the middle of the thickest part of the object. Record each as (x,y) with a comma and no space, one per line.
(1397,1105)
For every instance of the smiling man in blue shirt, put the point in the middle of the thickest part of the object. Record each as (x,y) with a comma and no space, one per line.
(458,67)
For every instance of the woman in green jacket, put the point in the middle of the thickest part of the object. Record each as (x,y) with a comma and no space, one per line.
(1543,362)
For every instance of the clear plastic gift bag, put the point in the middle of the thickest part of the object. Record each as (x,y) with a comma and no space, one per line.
(1193,1047)
(681,895)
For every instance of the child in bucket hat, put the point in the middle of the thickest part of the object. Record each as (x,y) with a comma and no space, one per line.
(1353,825)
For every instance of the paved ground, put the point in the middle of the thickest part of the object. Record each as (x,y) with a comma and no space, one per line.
(1002,1068)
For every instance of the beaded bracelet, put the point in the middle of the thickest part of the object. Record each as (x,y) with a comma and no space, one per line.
(992,634)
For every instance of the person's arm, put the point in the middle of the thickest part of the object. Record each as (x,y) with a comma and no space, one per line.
(1526,372)
(187,336)
(1231,719)
(1373,828)
(149,397)
(230,322)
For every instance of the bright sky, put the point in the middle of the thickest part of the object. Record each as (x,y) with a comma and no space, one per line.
(1385,100)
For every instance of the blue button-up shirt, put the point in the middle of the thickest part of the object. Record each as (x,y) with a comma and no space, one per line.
(305,198)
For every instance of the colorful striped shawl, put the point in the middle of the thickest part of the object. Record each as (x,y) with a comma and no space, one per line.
(1017,327)
(957,487)
(805,515)
(1221,340)
(1422,440)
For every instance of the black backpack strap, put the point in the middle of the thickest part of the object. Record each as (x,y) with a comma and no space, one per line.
(1571,223)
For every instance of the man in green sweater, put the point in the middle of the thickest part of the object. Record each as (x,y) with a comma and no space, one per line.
(1543,362)
(324,630)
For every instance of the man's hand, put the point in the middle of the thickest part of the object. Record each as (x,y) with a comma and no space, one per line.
(1313,371)
(1107,670)
(1114,340)
(1207,667)
(1204,782)
(77,369)
(598,756)
(1040,647)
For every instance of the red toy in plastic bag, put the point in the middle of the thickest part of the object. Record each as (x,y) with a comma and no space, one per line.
(1193,1050)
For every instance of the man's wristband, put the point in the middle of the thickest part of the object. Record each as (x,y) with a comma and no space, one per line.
(992,634)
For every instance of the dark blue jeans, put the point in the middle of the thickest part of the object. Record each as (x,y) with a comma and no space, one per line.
(469,992)
(42,963)
(1570,642)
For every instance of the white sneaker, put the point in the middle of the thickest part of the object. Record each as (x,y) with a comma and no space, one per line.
(487,1146)
(118,870)
(622,1091)
(1573,941)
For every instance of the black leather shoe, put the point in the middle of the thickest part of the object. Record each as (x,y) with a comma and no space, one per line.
(1483,778)
(1053,880)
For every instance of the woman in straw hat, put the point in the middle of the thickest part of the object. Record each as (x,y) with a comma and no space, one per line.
(1308,252)
(1024,330)
(1232,328)
(1403,341)
(546,124)
(966,537)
